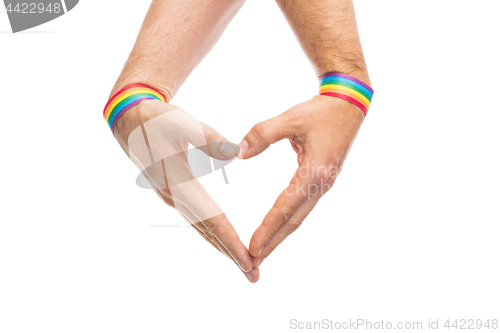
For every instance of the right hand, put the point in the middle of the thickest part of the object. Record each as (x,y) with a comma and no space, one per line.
(156,136)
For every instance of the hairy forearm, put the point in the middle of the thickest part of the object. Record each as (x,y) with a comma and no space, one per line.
(327,31)
(174,38)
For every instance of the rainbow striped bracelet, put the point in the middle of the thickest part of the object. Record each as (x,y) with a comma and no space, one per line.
(346,87)
(126,98)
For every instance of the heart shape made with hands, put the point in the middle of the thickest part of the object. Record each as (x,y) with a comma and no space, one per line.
(157,135)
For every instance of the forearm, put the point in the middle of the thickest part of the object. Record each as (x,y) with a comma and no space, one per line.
(174,38)
(328,34)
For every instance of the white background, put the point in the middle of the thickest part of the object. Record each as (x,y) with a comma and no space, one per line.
(409,232)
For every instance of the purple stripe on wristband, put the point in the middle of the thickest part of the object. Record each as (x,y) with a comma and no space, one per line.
(124,110)
(348,77)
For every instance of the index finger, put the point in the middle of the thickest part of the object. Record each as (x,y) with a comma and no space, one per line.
(288,202)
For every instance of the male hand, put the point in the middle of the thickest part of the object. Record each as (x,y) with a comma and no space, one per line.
(321,132)
(156,136)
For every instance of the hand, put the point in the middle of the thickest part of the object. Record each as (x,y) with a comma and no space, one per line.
(321,132)
(156,136)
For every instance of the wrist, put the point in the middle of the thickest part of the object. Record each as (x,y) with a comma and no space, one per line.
(164,88)
(133,118)
(360,73)
(348,88)
(127,98)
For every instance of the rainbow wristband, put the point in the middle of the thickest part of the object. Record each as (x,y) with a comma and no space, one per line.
(348,88)
(126,98)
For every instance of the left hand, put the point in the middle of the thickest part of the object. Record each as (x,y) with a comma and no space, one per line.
(156,137)
(321,132)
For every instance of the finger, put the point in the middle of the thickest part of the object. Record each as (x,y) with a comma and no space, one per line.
(184,127)
(194,203)
(264,134)
(253,275)
(202,231)
(192,200)
(285,206)
(173,181)
(202,234)
(200,227)
(293,223)
(186,214)
(222,232)
(218,146)
(286,229)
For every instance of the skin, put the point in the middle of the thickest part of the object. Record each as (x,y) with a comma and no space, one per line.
(321,130)
(174,38)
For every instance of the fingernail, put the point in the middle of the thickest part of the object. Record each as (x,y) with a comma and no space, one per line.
(253,275)
(243,148)
(244,268)
(226,150)
(236,150)
(258,262)
(260,251)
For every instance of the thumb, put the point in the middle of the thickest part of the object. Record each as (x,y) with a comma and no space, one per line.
(263,135)
(217,146)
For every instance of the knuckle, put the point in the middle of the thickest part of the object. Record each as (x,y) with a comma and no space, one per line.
(295,224)
(260,131)
(280,202)
(268,234)
(266,231)
(210,239)
(212,227)
(285,214)
(205,237)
